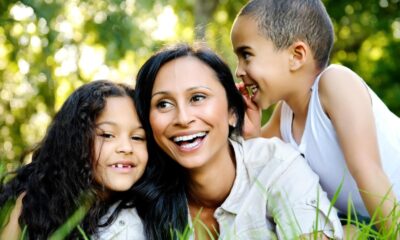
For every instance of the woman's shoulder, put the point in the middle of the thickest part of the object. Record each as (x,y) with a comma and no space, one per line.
(273,147)
(259,152)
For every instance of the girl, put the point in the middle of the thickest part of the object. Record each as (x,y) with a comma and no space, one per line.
(95,148)
(193,115)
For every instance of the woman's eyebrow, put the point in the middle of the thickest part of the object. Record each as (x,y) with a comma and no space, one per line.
(187,90)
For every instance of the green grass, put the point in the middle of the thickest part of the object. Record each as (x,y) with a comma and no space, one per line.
(366,230)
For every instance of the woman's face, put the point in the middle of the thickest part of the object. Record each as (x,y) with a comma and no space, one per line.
(189,113)
(120,145)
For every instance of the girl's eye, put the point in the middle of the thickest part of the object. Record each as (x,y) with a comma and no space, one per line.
(197,98)
(138,138)
(163,104)
(106,135)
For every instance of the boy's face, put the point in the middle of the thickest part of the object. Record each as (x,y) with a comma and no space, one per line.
(120,145)
(263,69)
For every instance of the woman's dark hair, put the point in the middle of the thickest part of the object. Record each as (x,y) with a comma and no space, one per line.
(172,208)
(60,174)
(148,72)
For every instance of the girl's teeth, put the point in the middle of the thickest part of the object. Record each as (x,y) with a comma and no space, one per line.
(120,165)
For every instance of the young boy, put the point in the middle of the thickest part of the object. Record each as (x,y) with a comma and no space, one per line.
(346,133)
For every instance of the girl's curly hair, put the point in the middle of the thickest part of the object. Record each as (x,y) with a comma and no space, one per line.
(61,171)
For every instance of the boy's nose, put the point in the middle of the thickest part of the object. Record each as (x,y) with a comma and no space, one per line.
(239,71)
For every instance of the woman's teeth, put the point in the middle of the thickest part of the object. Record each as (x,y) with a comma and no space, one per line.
(188,137)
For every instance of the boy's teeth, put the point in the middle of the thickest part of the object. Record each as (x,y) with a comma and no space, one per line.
(252,89)
(189,137)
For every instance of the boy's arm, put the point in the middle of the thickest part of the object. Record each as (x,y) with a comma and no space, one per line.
(12,230)
(347,103)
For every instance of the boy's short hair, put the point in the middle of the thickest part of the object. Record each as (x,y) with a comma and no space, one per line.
(285,21)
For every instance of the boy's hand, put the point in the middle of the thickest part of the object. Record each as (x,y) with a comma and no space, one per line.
(252,118)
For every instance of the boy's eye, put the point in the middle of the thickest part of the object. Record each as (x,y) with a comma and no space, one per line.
(246,55)
(197,98)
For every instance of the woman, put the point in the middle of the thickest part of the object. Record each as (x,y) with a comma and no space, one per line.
(193,115)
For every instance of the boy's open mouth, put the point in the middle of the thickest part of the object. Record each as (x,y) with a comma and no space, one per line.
(252,89)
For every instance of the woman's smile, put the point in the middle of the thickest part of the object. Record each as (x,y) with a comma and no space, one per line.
(189,143)
(189,113)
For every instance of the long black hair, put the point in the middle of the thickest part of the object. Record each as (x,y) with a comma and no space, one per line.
(61,172)
(171,207)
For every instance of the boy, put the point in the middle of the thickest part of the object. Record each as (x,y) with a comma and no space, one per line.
(329,114)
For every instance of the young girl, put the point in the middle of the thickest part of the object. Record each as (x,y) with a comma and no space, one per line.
(193,114)
(346,133)
(94,150)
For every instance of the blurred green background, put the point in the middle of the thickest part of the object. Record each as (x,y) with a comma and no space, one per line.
(50,47)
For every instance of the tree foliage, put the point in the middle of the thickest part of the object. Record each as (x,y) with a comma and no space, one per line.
(50,47)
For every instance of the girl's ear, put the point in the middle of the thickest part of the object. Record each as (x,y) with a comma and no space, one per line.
(299,52)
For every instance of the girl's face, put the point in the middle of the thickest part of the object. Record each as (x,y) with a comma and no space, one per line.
(120,145)
(189,113)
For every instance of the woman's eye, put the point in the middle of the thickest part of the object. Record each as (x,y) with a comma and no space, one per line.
(197,98)
(163,105)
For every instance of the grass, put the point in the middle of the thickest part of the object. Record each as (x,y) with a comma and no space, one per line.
(366,230)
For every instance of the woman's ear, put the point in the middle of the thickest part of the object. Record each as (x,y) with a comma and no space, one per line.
(232,121)
(299,52)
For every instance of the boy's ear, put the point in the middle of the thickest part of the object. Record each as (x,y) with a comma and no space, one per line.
(299,52)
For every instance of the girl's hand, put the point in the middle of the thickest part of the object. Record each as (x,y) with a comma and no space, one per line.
(252,119)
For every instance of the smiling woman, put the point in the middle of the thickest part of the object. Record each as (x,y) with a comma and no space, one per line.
(193,115)
(178,100)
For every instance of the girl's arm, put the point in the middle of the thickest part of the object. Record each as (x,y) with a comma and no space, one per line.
(12,230)
(347,103)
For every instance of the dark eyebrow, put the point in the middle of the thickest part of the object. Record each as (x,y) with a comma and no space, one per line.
(114,124)
(159,93)
(241,49)
(189,89)
(105,123)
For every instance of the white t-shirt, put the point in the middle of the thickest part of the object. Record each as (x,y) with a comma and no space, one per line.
(126,226)
(319,144)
